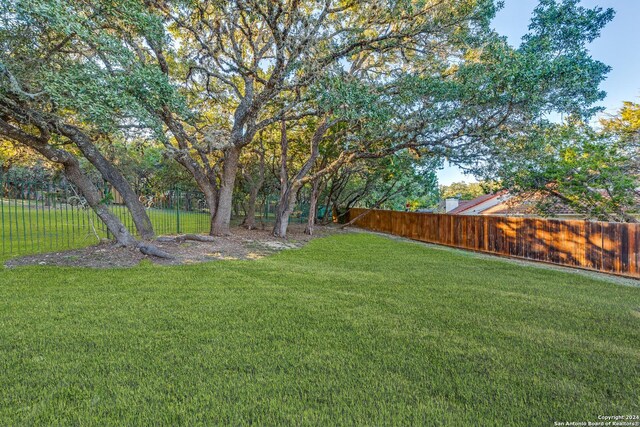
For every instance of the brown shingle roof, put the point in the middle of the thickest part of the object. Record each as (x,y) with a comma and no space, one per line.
(527,204)
(465,205)
(461,205)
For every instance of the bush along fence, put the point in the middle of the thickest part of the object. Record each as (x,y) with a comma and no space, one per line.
(47,216)
(601,246)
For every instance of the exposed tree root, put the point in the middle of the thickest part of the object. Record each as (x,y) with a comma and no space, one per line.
(197,237)
(184,237)
(151,250)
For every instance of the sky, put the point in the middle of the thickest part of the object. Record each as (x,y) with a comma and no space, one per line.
(616,47)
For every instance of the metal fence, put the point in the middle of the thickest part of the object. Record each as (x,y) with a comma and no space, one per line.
(268,206)
(37,216)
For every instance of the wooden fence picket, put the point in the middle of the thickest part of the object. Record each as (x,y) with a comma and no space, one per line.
(601,246)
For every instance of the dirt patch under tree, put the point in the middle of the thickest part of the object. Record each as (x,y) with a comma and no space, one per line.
(240,244)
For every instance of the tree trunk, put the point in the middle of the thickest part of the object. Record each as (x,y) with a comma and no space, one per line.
(205,177)
(89,191)
(112,175)
(290,187)
(93,197)
(313,206)
(282,221)
(205,183)
(222,216)
(283,211)
(250,217)
(254,188)
(86,188)
(74,174)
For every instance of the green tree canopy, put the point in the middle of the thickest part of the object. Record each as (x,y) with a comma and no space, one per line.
(464,190)
(586,170)
(366,80)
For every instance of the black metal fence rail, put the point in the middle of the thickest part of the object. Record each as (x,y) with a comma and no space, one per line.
(38,216)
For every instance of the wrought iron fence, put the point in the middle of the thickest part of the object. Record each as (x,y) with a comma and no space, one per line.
(37,216)
(299,214)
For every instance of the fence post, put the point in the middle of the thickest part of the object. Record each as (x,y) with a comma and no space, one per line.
(177,210)
(2,212)
(105,199)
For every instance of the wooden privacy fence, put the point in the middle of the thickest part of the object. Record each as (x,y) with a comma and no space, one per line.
(602,246)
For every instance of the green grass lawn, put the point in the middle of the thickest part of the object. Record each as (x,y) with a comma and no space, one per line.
(351,329)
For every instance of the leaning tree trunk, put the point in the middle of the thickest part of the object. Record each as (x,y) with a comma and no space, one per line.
(90,192)
(92,195)
(205,177)
(83,183)
(222,217)
(112,175)
(74,174)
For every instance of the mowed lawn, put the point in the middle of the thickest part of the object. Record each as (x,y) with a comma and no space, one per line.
(351,329)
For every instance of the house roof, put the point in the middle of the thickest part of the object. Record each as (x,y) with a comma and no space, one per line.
(465,205)
(527,204)
(522,204)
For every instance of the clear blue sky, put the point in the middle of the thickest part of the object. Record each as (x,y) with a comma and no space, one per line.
(618,47)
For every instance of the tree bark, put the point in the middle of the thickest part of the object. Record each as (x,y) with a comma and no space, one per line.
(112,175)
(255,185)
(250,217)
(222,217)
(89,191)
(313,207)
(93,197)
(86,188)
(283,212)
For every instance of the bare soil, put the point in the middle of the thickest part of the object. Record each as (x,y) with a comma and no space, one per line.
(240,244)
